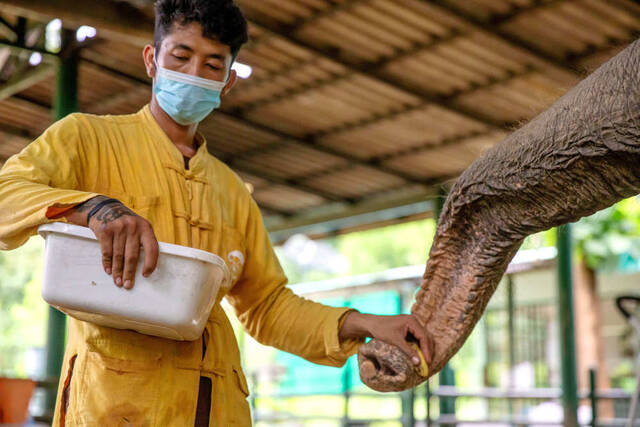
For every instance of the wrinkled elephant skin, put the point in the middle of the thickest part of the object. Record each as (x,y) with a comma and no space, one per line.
(580,156)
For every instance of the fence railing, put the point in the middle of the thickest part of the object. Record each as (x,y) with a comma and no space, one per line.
(408,418)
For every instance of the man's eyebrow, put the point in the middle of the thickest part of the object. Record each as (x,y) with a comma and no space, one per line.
(217,56)
(213,55)
(184,47)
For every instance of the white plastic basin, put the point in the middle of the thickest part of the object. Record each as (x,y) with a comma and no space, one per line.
(173,302)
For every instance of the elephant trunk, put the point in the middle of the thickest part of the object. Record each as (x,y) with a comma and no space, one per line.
(579,156)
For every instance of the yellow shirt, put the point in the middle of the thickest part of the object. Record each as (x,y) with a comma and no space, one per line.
(115,376)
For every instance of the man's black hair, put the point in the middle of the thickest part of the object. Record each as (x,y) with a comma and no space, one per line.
(221,20)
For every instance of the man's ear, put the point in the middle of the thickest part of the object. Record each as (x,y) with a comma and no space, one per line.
(233,77)
(148,56)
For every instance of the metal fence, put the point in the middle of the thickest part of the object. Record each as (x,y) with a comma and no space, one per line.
(432,397)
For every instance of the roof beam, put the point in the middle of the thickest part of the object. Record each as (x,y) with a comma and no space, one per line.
(495,20)
(396,113)
(25,80)
(386,116)
(330,11)
(106,106)
(474,23)
(19,48)
(288,183)
(427,96)
(268,76)
(318,222)
(6,24)
(289,31)
(115,20)
(5,54)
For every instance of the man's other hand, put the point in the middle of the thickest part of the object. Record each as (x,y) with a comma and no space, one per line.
(398,330)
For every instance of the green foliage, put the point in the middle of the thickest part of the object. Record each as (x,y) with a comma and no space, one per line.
(540,240)
(23,312)
(603,237)
(372,250)
(623,376)
(388,247)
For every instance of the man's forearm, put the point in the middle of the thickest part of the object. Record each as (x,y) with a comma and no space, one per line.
(356,326)
(78,214)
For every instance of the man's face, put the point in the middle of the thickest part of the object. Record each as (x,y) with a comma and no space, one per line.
(186,50)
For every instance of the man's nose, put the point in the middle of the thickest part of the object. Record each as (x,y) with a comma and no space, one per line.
(195,68)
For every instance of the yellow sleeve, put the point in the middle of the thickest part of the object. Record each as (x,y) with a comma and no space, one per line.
(45,175)
(274,315)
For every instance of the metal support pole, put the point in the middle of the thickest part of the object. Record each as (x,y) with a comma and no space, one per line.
(593,397)
(21,31)
(408,397)
(408,400)
(427,398)
(346,394)
(567,334)
(512,340)
(65,102)
(447,376)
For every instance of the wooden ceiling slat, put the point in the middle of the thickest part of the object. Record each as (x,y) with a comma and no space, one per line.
(542,37)
(332,104)
(286,199)
(586,18)
(315,78)
(375,34)
(266,77)
(355,182)
(338,36)
(419,15)
(374,74)
(293,8)
(540,56)
(447,160)
(561,24)
(625,13)
(292,162)
(470,59)
(432,58)
(382,20)
(273,12)
(428,126)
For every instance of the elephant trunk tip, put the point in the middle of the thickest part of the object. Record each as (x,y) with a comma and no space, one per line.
(385,368)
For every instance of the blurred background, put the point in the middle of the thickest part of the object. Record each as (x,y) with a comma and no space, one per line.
(350,121)
(513,352)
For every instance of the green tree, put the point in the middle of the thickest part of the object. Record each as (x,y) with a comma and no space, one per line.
(604,237)
(371,251)
(601,240)
(23,312)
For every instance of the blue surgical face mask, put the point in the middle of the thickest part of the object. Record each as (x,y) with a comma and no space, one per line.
(187,99)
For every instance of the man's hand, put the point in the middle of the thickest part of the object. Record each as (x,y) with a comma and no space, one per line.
(120,232)
(397,330)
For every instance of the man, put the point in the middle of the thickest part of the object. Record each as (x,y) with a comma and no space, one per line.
(140,178)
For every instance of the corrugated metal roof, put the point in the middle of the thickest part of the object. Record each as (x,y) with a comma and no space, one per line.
(354,100)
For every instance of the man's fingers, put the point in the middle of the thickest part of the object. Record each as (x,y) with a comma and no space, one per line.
(131,255)
(119,242)
(106,248)
(426,345)
(407,349)
(151,250)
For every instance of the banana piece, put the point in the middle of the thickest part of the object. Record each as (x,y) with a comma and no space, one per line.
(424,369)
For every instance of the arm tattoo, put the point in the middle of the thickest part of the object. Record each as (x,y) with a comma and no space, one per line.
(89,204)
(112,212)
